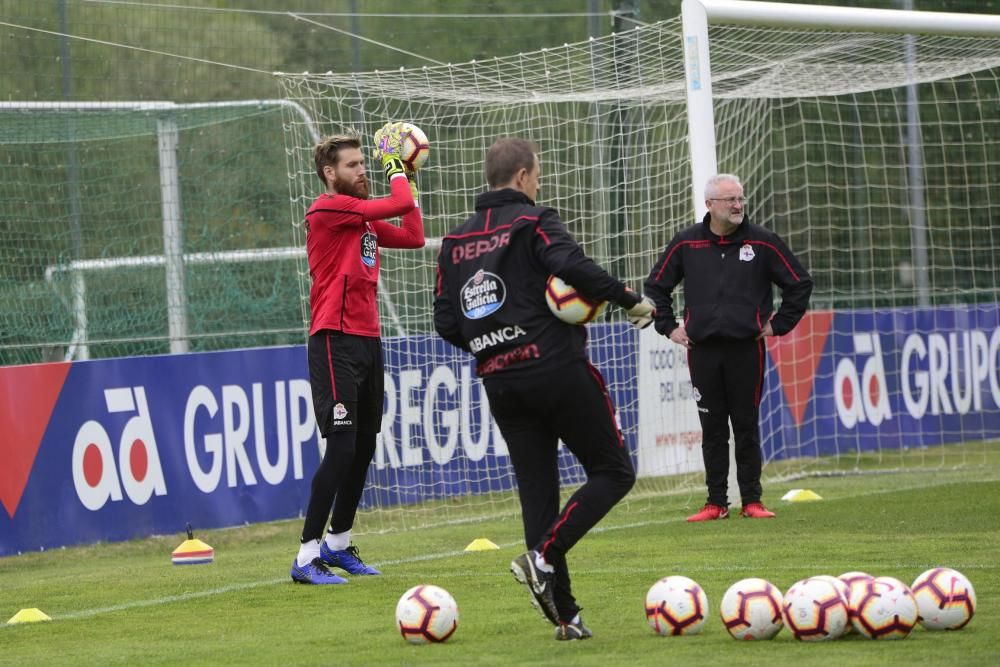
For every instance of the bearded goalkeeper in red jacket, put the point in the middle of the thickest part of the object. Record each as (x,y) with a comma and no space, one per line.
(344,230)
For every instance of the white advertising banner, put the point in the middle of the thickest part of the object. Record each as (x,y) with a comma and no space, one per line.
(669,430)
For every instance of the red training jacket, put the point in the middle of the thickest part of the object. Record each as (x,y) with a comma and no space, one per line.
(343,234)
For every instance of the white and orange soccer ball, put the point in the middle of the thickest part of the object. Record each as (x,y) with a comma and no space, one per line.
(883,609)
(569,305)
(845,595)
(426,614)
(416,147)
(838,583)
(676,605)
(751,609)
(813,610)
(853,580)
(945,599)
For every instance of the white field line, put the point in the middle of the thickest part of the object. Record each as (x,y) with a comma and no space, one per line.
(222,590)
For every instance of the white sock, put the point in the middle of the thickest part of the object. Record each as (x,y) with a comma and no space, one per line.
(307,551)
(338,541)
(576,620)
(542,565)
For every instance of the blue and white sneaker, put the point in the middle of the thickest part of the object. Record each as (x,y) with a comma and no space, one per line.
(347,560)
(314,573)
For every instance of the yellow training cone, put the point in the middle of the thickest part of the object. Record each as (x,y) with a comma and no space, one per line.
(192,551)
(800,495)
(29,616)
(481,544)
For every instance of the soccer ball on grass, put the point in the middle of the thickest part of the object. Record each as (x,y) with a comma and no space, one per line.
(845,595)
(751,609)
(883,609)
(426,614)
(814,610)
(854,580)
(945,599)
(676,605)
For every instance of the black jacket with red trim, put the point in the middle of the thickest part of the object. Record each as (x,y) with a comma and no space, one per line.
(728,282)
(490,288)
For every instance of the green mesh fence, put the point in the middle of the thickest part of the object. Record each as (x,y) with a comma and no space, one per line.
(87,237)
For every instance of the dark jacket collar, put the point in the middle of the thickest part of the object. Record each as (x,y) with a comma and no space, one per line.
(495,198)
(738,234)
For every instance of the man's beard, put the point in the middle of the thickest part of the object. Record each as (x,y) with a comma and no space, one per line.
(352,189)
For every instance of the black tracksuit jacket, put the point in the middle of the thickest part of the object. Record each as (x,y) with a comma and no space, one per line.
(728,283)
(490,287)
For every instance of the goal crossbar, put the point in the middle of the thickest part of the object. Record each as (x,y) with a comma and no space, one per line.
(866,19)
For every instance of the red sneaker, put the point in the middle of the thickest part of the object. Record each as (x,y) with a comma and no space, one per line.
(756,511)
(710,512)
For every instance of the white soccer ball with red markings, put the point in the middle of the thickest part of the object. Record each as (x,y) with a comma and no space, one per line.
(884,609)
(676,605)
(854,580)
(751,609)
(416,148)
(845,595)
(945,599)
(813,610)
(569,305)
(426,614)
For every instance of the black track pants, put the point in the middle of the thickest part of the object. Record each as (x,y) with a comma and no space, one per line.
(728,376)
(571,404)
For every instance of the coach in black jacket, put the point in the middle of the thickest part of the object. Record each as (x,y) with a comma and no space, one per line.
(490,301)
(728,266)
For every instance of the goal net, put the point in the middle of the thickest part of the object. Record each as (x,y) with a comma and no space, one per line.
(875,156)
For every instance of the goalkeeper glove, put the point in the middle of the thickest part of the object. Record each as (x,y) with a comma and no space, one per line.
(389,148)
(641,314)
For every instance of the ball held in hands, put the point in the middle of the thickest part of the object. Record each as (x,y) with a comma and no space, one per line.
(389,147)
(405,141)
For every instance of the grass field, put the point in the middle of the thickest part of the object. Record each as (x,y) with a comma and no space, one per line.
(126,604)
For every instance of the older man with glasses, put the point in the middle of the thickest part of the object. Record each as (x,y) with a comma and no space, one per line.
(728,266)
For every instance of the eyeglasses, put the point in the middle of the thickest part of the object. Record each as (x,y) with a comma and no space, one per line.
(729,200)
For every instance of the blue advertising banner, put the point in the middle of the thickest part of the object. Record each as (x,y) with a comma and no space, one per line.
(886,379)
(141,446)
(123,448)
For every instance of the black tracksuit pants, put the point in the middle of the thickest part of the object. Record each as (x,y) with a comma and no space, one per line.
(728,376)
(345,372)
(570,403)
